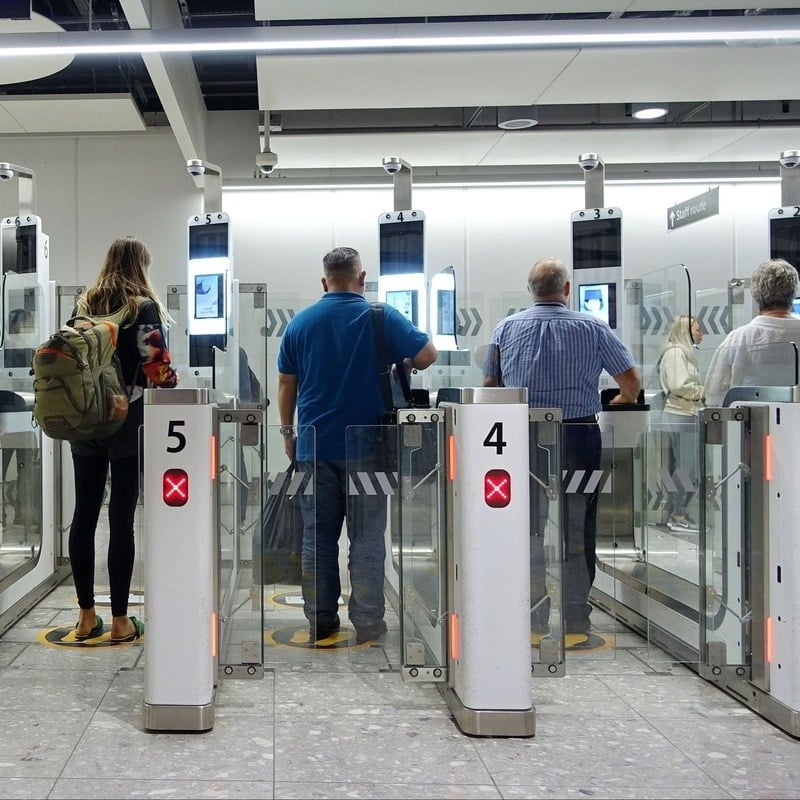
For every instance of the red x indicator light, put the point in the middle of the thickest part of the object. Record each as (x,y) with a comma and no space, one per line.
(497,488)
(175,487)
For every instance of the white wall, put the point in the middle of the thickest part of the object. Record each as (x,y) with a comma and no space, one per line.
(92,189)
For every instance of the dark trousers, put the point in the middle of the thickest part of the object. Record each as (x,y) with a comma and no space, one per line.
(90,482)
(581,451)
(323,516)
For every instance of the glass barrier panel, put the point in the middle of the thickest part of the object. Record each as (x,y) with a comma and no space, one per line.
(725,565)
(544,467)
(597,533)
(239,515)
(20,439)
(419,545)
(285,556)
(670,556)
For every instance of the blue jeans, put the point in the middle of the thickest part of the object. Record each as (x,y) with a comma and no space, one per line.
(365,516)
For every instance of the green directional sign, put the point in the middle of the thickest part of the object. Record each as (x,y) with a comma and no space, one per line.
(693,210)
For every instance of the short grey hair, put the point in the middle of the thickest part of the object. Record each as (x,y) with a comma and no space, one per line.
(774,285)
(548,277)
(341,263)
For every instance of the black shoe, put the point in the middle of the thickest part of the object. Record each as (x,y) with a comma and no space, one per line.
(369,633)
(322,629)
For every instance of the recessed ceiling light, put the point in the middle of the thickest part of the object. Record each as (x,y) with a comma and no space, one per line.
(516,118)
(649,110)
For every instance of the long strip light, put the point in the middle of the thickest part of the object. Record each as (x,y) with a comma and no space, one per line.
(410,37)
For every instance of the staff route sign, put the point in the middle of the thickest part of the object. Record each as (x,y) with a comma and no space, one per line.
(693,210)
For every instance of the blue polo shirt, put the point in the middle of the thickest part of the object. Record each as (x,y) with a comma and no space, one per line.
(558,355)
(330,347)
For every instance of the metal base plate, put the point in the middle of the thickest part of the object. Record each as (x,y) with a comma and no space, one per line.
(488,722)
(179,718)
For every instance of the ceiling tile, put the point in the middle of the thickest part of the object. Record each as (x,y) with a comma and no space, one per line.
(74,113)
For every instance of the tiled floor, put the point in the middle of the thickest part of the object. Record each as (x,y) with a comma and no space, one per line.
(341,724)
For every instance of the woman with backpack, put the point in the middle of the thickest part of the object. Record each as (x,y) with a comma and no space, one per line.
(124,280)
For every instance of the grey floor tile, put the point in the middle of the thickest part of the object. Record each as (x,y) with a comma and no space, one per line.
(237,748)
(9,652)
(55,689)
(365,745)
(602,752)
(37,744)
(579,695)
(26,788)
(683,695)
(745,753)
(294,691)
(383,791)
(617,793)
(110,789)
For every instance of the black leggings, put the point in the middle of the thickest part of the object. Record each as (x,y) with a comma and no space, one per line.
(90,481)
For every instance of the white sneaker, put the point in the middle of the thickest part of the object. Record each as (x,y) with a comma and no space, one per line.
(685,525)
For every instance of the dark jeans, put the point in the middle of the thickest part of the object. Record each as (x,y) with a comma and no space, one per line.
(326,510)
(581,451)
(90,482)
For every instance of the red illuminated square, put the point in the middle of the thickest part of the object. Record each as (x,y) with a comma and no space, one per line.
(175,487)
(497,488)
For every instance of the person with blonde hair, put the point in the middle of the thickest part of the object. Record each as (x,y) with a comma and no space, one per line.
(683,399)
(124,280)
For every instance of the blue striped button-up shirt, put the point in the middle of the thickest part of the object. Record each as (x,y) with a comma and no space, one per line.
(558,355)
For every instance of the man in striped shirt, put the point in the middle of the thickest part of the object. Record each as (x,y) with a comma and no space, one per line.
(558,355)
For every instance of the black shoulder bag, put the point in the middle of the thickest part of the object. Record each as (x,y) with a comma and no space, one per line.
(389,416)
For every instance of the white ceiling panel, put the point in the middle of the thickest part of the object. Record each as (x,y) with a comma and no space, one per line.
(74,113)
(407,80)
(367,150)
(535,147)
(19,70)
(8,124)
(669,145)
(761,144)
(677,73)
(375,9)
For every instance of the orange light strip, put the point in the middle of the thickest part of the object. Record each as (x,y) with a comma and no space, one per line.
(768,473)
(213,458)
(769,638)
(214,639)
(454,637)
(451,458)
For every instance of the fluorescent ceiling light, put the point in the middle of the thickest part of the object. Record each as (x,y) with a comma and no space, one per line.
(409,37)
(649,110)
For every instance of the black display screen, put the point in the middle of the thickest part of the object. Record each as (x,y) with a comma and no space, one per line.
(401,248)
(597,243)
(208,241)
(784,240)
(19,249)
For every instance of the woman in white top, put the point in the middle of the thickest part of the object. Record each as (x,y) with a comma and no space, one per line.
(683,398)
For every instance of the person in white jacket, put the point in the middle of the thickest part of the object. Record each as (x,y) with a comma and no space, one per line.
(683,399)
(764,351)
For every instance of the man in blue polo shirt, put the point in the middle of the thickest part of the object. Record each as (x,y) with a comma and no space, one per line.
(559,355)
(328,372)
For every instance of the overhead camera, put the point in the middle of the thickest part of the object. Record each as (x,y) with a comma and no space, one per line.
(195,167)
(266,162)
(392,164)
(790,158)
(588,161)
(6,172)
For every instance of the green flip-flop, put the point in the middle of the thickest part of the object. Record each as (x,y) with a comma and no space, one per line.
(93,633)
(132,637)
